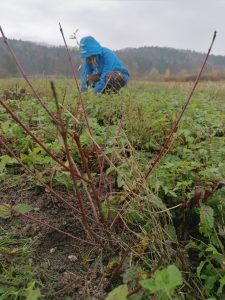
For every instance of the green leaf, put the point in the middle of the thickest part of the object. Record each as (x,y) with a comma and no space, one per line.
(32,293)
(212,249)
(157,202)
(5,126)
(110,170)
(200,267)
(222,284)
(119,293)
(23,208)
(5,213)
(209,282)
(206,219)
(6,160)
(165,281)
(171,231)
(104,209)
(120,181)
(129,275)
(64,179)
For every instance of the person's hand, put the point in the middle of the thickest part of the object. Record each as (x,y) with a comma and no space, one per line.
(93,79)
(84,89)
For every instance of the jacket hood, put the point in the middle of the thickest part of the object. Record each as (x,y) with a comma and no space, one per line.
(89,46)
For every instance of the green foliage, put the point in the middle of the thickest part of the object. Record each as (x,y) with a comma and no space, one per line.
(5,161)
(163,282)
(23,208)
(63,178)
(119,293)
(211,260)
(16,268)
(133,275)
(131,127)
(32,293)
(5,213)
(206,219)
(211,270)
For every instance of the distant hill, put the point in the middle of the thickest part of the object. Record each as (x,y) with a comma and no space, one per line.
(155,61)
(143,63)
(36,59)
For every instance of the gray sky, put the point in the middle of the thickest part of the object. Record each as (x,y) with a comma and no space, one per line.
(185,24)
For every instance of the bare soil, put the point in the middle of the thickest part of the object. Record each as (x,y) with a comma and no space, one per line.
(65,267)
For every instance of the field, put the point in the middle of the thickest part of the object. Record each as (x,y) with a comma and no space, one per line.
(78,217)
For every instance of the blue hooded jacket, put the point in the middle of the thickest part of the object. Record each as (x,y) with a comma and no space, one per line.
(107,61)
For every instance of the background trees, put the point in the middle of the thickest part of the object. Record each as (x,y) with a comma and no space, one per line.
(145,63)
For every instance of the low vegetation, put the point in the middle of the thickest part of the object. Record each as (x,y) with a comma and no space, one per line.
(160,238)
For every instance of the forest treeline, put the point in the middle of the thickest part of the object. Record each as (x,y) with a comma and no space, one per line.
(145,63)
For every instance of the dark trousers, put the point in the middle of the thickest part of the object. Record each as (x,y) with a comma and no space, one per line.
(114,82)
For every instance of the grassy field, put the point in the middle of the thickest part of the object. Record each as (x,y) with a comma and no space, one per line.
(159,238)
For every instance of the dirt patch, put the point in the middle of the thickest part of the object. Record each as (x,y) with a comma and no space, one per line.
(66,267)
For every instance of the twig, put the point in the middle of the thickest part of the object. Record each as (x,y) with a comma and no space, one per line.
(166,146)
(26,78)
(17,285)
(72,167)
(45,224)
(27,130)
(85,164)
(64,288)
(119,266)
(71,61)
(48,188)
(38,141)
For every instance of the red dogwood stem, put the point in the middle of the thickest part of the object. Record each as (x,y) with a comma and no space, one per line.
(169,140)
(45,224)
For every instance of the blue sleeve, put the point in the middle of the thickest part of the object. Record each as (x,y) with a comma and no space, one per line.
(109,62)
(86,70)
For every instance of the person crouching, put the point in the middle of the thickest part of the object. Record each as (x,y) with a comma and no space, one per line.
(102,69)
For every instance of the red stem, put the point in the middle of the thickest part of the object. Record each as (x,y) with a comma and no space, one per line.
(26,78)
(168,141)
(74,178)
(84,161)
(17,120)
(44,184)
(71,61)
(102,178)
(45,224)
(83,213)
(27,130)
(117,269)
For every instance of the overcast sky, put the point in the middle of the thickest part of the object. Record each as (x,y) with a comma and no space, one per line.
(184,24)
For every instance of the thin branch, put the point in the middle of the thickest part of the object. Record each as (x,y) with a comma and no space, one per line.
(17,285)
(45,224)
(71,61)
(26,78)
(72,65)
(38,141)
(166,146)
(27,130)
(72,166)
(48,188)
